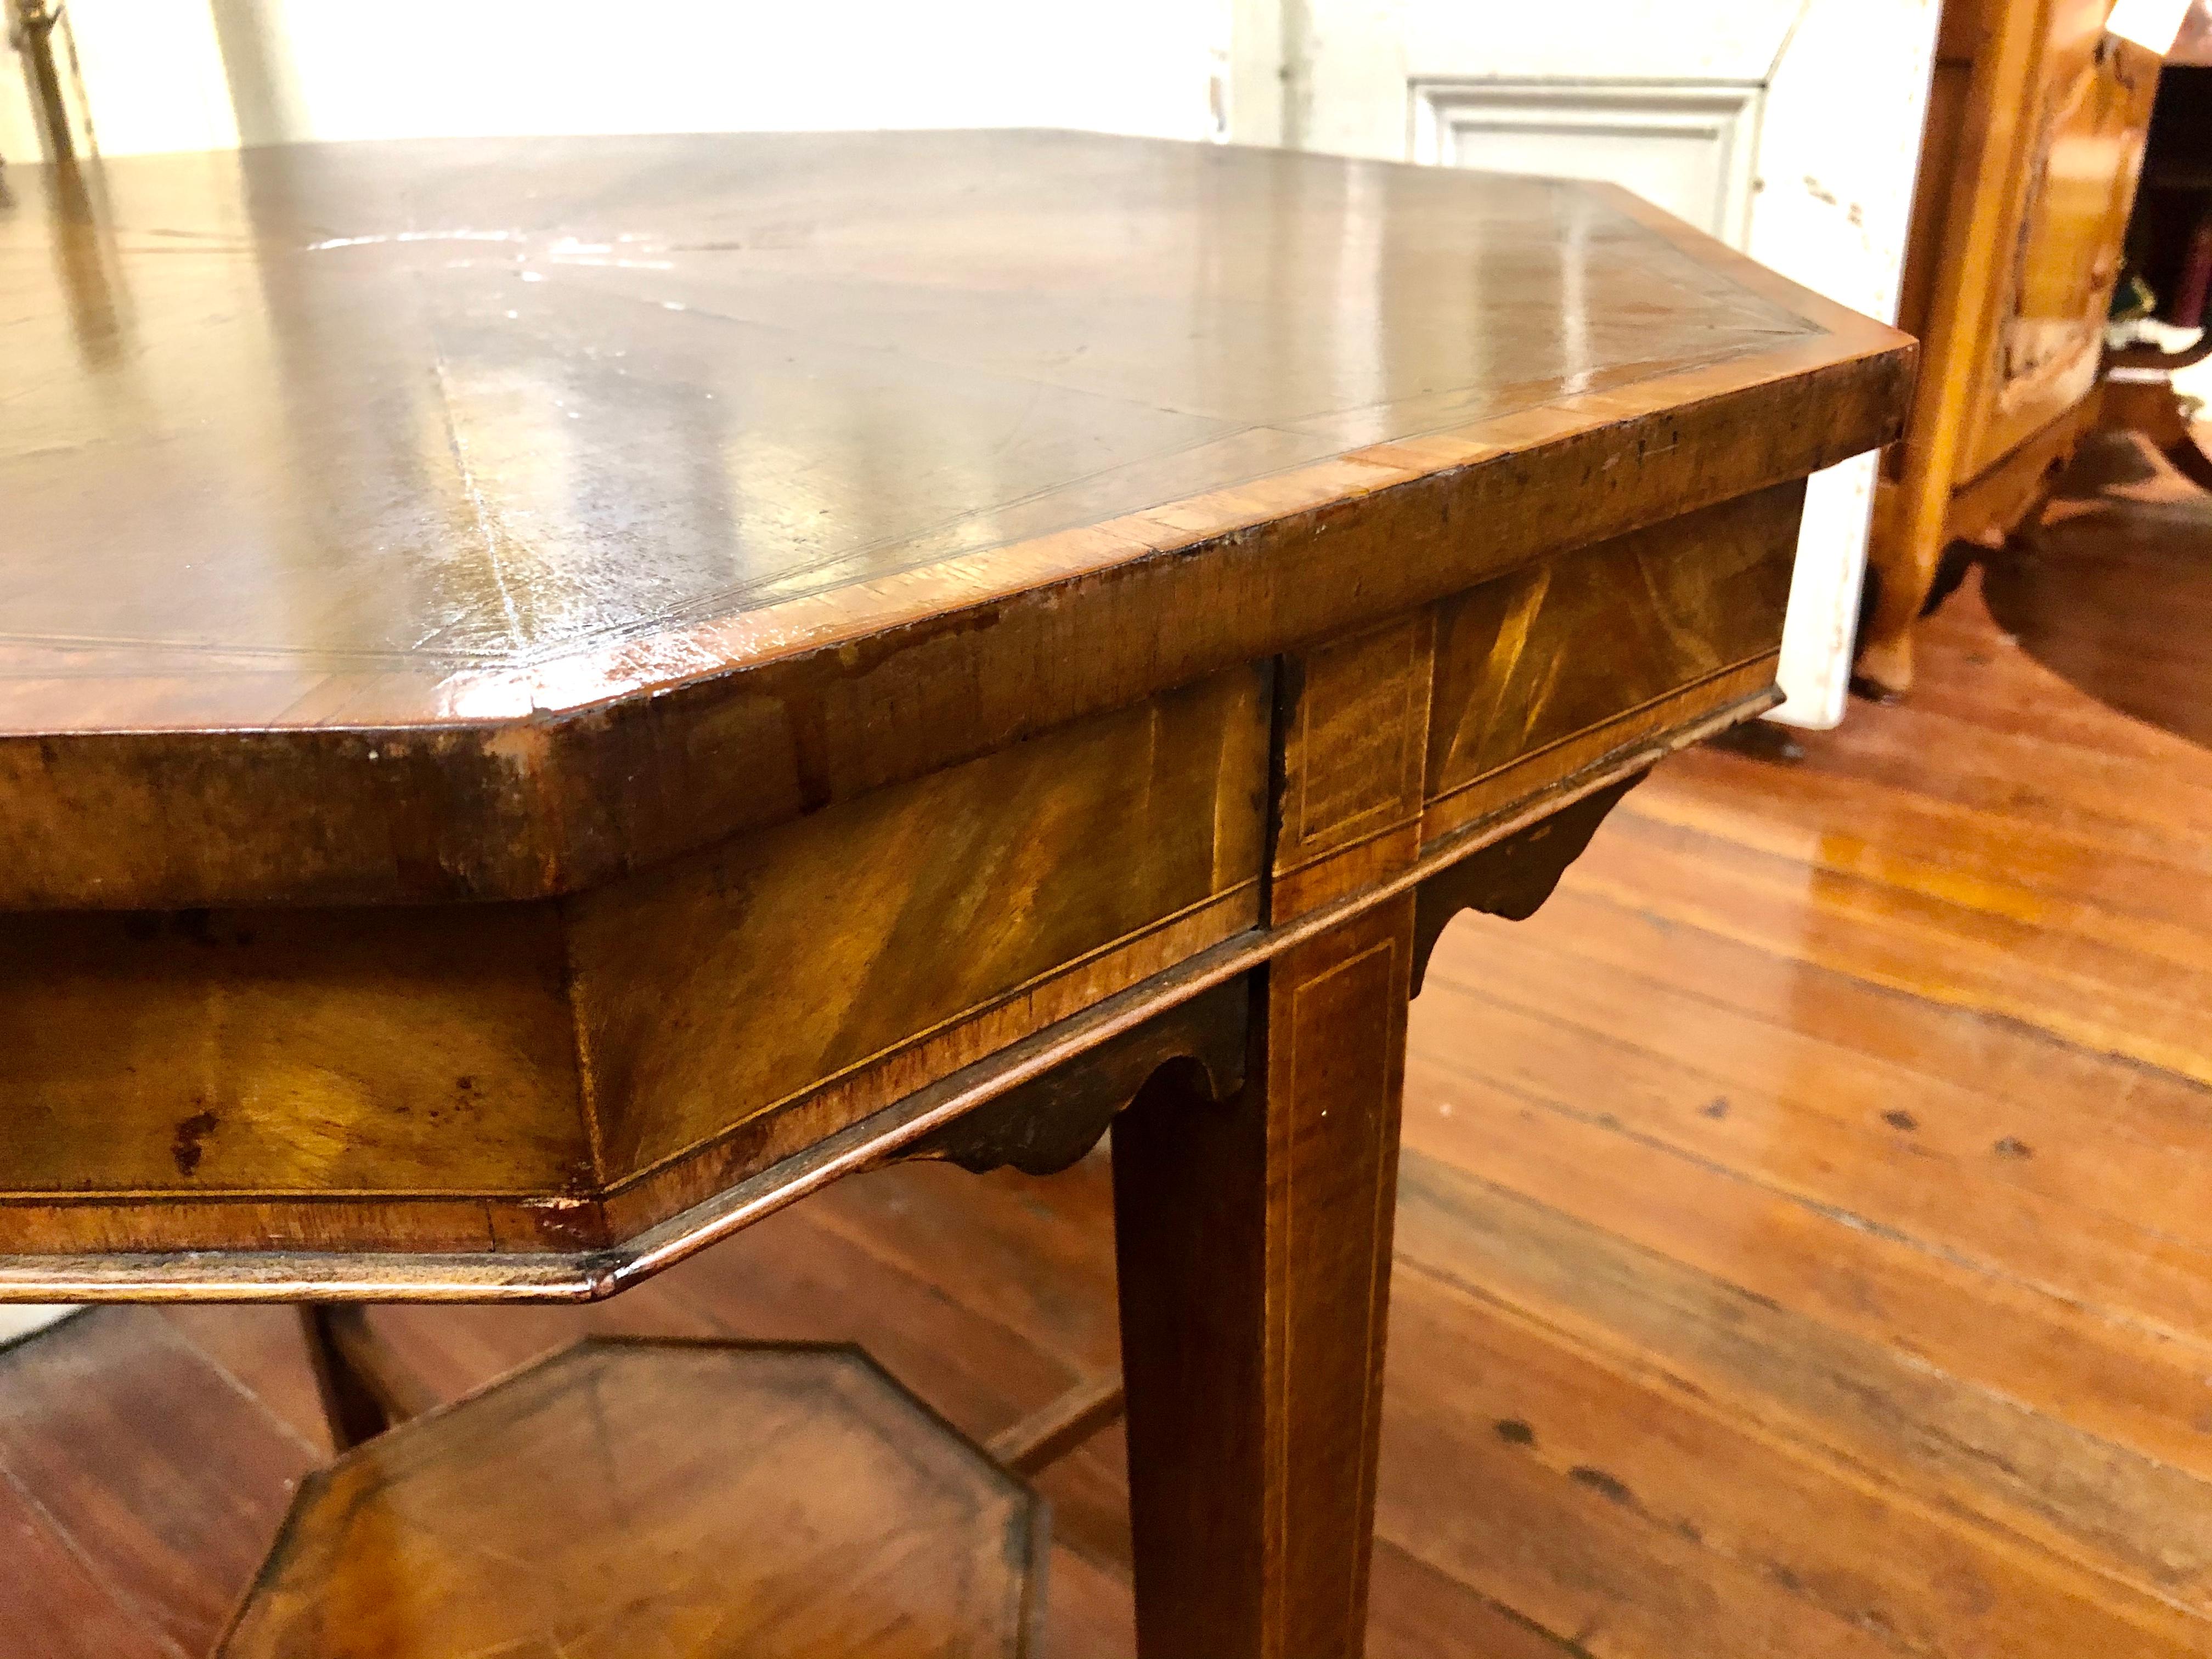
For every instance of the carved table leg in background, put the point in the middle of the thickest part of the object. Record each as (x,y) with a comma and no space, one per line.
(1254,1239)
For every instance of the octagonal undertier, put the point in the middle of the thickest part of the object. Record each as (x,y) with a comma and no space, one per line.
(631,1497)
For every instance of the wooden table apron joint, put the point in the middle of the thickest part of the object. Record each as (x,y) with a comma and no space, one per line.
(1006,1110)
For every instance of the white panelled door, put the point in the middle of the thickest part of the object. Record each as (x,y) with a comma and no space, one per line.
(1687,147)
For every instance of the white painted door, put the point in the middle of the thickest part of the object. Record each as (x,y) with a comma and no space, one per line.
(1788,128)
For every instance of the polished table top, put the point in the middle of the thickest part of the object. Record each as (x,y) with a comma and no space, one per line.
(430,457)
(586,390)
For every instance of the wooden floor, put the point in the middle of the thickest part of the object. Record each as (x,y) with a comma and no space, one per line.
(1805,1238)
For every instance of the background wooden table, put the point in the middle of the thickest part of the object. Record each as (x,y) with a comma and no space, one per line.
(560,696)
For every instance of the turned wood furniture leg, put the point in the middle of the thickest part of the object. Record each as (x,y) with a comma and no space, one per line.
(1884,662)
(1254,1239)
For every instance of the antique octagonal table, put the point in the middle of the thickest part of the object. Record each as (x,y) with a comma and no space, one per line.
(556,696)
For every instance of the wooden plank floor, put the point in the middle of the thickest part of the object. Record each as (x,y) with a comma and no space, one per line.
(1804,1247)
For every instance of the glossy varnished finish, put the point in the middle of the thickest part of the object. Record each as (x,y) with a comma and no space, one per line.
(1829,1147)
(334,579)
(1007,610)
(2074,193)
(553,1077)
(799,814)
(756,368)
(575,1509)
(2113,592)
(1522,701)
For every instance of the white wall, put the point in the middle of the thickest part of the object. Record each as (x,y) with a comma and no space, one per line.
(161,75)
(1359,56)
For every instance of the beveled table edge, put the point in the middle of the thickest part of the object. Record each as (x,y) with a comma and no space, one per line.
(292,1276)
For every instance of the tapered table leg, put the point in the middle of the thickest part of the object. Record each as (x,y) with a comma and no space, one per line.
(1254,1238)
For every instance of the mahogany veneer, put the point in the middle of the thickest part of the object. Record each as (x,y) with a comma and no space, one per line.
(560,694)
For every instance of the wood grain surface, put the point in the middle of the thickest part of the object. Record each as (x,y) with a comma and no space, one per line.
(532,1085)
(516,851)
(486,519)
(1690,612)
(1354,717)
(1029,883)
(1790,1241)
(1255,1387)
(575,1509)
(1046,648)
